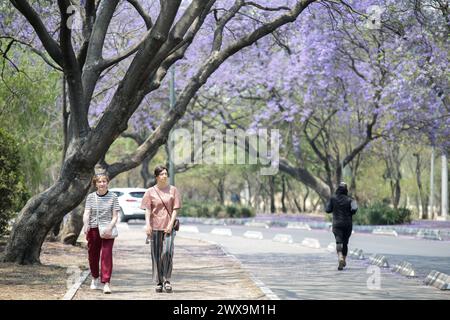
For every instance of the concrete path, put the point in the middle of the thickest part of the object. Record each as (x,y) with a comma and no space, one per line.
(202,271)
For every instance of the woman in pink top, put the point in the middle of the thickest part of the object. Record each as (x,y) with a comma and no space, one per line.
(161,203)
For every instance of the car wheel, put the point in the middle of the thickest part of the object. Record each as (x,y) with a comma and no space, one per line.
(122,216)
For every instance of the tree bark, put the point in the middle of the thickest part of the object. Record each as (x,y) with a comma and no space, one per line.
(307,178)
(147,178)
(283,194)
(305,198)
(42,212)
(73,226)
(422,195)
(272,194)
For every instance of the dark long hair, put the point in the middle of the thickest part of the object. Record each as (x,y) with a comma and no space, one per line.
(160,169)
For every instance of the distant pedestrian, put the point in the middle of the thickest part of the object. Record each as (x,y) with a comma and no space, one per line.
(100,217)
(343,208)
(161,203)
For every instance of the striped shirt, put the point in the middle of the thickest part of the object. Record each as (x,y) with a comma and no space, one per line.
(105,204)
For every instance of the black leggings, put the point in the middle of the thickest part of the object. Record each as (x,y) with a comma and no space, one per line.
(342,235)
(342,247)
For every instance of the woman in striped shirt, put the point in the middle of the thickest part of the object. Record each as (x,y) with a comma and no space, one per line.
(161,203)
(102,207)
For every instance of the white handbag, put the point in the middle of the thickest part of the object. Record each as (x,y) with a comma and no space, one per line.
(102,228)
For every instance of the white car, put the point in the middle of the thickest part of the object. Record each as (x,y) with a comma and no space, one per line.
(130,201)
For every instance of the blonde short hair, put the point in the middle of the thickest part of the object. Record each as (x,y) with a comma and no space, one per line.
(97,177)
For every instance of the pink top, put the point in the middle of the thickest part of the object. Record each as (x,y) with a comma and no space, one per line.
(159,217)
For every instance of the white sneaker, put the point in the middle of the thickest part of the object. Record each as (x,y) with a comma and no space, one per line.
(106,289)
(95,284)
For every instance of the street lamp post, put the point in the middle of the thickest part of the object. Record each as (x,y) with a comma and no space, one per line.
(172,105)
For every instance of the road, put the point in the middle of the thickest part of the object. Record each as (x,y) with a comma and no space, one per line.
(293,271)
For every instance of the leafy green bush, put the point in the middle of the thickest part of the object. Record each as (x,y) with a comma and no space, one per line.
(232,211)
(247,212)
(213,210)
(12,186)
(381,214)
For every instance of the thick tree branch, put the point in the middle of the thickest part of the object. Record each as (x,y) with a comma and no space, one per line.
(218,33)
(306,178)
(79,126)
(160,135)
(142,13)
(91,72)
(88,24)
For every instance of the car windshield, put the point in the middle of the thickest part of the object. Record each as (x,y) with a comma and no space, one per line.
(137,194)
(118,193)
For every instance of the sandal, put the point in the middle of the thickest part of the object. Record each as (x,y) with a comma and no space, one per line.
(159,287)
(167,287)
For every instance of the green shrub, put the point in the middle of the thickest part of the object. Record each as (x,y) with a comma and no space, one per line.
(232,211)
(381,214)
(192,208)
(12,186)
(218,210)
(204,212)
(189,209)
(247,212)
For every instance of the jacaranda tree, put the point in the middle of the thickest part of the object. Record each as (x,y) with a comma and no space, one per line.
(86,56)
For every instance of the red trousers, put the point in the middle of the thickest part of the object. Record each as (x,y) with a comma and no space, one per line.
(96,247)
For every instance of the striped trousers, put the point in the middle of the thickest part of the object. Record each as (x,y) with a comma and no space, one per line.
(162,255)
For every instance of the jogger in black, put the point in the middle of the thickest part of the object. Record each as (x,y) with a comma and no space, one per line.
(343,208)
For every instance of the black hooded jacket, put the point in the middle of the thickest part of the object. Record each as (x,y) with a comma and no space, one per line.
(343,208)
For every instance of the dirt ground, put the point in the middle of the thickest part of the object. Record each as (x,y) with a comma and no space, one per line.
(60,265)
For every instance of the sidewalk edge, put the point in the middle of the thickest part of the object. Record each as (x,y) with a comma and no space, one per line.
(266,290)
(73,290)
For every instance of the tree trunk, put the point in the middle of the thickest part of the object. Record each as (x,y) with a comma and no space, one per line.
(396,192)
(272,194)
(294,197)
(147,178)
(221,190)
(73,226)
(422,195)
(283,194)
(54,234)
(316,204)
(305,198)
(307,178)
(42,212)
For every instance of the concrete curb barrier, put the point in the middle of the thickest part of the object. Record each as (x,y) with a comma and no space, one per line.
(438,280)
(222,232)
(311,243)
(385,232)
(257,224)
(357,254)
(253,235)
(298,225)
(187,228)
(379,260)
(429,234)
(284,238)
(405,269)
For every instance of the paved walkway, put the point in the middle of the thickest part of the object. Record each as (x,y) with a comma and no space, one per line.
(201,271)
